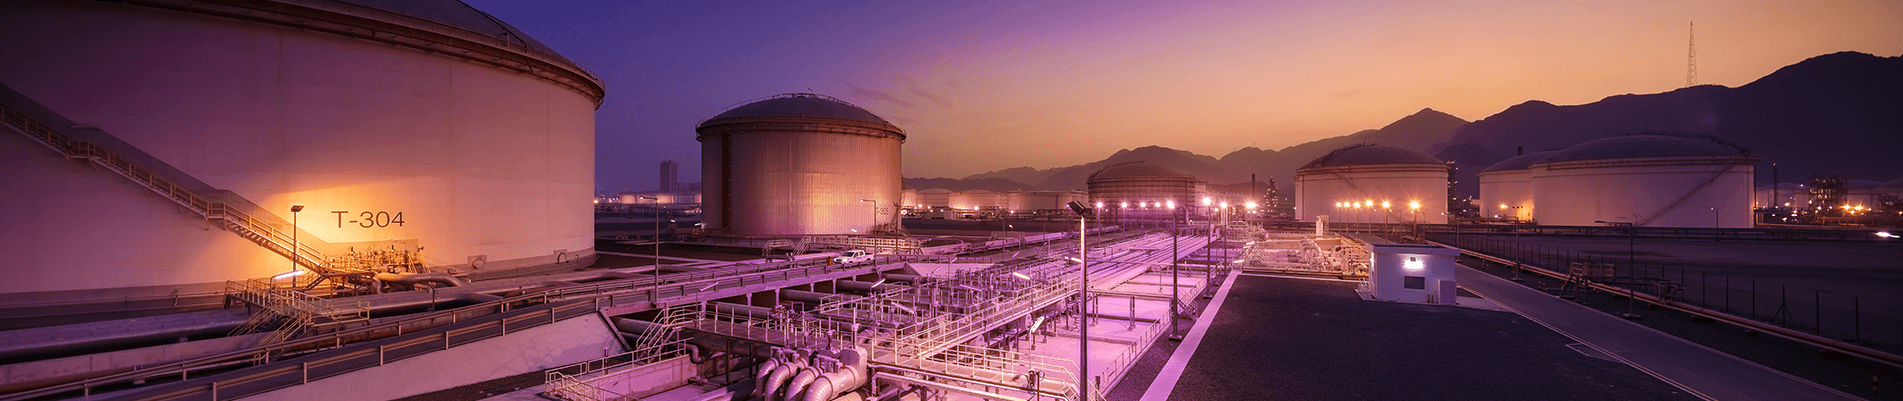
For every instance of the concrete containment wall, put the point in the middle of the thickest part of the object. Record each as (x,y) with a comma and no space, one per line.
(576,339)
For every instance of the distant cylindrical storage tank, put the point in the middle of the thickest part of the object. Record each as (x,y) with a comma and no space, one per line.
(1370,183)
(1648,180)
(934,197)
(797,164)
(975,199)
(1038,200)
(1143,190)
(398,124)
(1506,188)
(908,198)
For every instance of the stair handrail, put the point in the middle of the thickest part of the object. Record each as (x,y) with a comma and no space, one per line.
(81,149)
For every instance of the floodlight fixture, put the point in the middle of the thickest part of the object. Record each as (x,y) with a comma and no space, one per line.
(1080,209)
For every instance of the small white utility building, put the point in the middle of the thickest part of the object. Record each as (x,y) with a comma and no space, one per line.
(1412,273)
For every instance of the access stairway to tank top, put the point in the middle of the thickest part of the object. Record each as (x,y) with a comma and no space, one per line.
(31,119)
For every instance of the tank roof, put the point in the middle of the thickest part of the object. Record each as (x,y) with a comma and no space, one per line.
(1520,162)
(803,105)
(460,15)
(1370,154)
(1645,145)
(1896,183)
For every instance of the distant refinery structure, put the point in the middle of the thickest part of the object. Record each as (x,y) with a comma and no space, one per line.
(1370,183)
(799,164)
(1644,180)
(411,133)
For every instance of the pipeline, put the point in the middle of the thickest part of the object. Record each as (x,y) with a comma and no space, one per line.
(412,279)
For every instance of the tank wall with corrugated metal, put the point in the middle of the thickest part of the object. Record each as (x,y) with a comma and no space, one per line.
(1506,195)
(380,142)
(1693,194)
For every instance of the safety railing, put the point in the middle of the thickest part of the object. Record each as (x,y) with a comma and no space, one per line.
(240,223)
(291,302)
(575,381)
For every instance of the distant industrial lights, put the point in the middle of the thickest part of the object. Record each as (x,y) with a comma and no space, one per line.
(1126,204)
(1386,205)
(1414,204)
(1171,203)
(1020,275)
(1205,201)
(1225,204)
(1887,234)
(1413,264)
(1099,204)
(1249,205)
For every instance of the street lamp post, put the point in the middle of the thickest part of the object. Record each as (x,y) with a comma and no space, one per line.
(292,274)
(654,295)
(1176,252)
(1083,299)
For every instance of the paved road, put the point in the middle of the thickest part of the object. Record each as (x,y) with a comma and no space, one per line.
(1702,370)
(1298,339)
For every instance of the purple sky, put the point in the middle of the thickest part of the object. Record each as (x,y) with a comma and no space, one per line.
(985,85)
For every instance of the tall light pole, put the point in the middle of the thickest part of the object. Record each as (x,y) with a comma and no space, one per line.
(654,295)
(293,273)
(1176,252)
(1083,300)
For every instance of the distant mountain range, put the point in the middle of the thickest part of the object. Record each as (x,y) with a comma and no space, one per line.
(1838,113)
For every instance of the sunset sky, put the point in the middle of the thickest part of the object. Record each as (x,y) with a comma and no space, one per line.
(985,85)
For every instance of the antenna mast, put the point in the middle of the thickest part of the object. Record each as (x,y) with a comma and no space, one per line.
(1691,56)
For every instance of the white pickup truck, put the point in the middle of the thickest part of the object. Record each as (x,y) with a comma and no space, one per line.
(852,257)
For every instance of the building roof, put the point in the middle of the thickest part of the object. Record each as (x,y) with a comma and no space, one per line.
(1520,162)
(1370,154)
(1137,170)
(1644,146)
(803,105)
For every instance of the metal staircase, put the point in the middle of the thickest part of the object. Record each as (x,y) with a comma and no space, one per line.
(253,228)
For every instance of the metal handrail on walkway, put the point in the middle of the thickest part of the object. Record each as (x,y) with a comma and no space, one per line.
(1793,335)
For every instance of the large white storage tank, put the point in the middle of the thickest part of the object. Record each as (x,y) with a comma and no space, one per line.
(1370,183)
(1140,190)
(414,124)
(1506,188)
(1649,180)
(797,164)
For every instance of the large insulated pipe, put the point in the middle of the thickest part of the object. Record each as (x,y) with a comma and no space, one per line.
(419,278)
(799,383)
(760,374)
(808,297)
(850,374)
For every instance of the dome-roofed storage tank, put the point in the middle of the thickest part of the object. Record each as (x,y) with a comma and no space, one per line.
(1140,191)
(1650,180)
(1370,183)
(1506,188)
(797,164)
(400,125)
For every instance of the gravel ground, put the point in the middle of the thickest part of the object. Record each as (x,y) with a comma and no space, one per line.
(1289,339)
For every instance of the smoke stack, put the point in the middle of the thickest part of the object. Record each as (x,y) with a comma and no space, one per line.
(1519,150)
